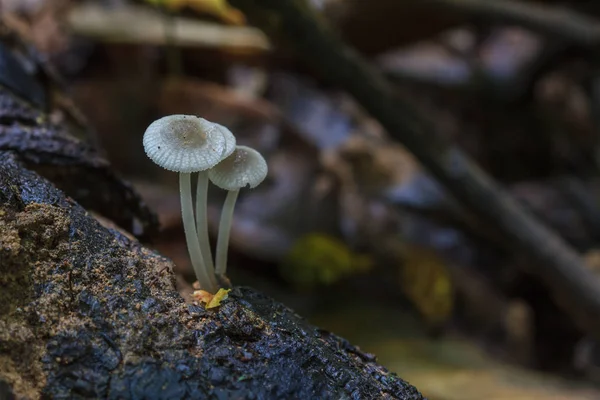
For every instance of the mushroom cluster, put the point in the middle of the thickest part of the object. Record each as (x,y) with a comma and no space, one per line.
(187,144)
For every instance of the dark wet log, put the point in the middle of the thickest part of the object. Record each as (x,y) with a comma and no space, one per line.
(40,126)
(86,312)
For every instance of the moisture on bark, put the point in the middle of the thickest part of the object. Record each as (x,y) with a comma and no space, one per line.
(87,312)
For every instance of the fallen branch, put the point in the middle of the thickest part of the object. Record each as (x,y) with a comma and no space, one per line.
(575,288)
(548,20)
(113,24)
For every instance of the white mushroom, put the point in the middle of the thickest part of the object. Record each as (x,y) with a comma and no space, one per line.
(186,144)
(202,195)
(244,167)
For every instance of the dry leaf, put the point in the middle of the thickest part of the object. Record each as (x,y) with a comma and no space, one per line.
(211,300)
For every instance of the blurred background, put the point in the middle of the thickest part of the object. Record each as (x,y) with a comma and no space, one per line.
(348,229)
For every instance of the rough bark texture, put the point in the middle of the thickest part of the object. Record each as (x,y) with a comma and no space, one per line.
(48,134)
(86,312)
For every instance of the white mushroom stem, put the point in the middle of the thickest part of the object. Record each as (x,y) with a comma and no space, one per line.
(206,280)
(202,220)
(224,231)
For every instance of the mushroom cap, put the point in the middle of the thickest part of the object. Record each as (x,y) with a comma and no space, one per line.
(186,143)
(244,167)
(229,141)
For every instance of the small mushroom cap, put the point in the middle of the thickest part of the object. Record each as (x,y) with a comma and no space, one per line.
(244,167)
(186,143)
(229,141)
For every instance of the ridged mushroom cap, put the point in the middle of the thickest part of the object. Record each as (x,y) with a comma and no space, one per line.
(229,141)
(244,167)
(186,143)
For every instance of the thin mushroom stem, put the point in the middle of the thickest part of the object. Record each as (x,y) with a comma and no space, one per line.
(202,220)
(206,280)
(224,231)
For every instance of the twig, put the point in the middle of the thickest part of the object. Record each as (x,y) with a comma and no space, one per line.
(549,20)
(142,25)
(575,288)
(511,89)
(578,194)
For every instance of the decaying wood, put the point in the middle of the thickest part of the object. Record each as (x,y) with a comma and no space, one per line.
(86,312)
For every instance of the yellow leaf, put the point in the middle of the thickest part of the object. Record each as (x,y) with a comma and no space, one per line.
(426,281)
(218,298)
(211,300)
(217,8)
(321,259)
